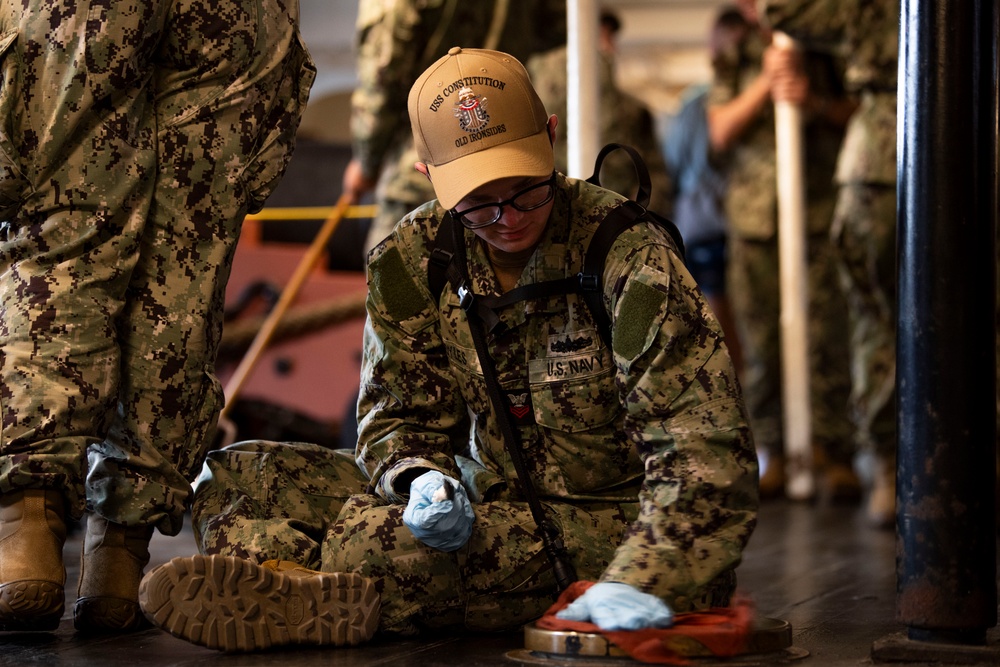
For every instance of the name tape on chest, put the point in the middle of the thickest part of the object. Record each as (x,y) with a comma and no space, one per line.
(569,367)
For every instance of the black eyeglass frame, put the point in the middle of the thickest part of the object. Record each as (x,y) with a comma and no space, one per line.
(550,182)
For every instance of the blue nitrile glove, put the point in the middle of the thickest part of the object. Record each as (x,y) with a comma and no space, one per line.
(617,606)
(441,523)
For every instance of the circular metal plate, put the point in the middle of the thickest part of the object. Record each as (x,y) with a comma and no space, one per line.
(767,636)
(567,642)
(525,657)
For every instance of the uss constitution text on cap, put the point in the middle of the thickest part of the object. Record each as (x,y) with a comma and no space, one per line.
(476,118)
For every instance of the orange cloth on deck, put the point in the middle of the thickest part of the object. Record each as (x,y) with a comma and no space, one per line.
(722,631)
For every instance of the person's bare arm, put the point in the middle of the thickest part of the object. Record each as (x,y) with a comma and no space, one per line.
(727,122)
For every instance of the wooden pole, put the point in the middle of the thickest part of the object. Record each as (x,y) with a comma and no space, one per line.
(288,295)
(793,271)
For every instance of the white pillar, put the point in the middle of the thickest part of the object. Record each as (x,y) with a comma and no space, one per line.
(794,294)
(582,97)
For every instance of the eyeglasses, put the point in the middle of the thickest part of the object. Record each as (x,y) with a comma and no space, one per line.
(528,199)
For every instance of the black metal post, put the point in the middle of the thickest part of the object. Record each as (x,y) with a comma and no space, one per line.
(946,351)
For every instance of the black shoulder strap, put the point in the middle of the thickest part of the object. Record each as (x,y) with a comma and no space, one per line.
(444,266)
(621,218)
(555,548)
(641,197)
(441,256)
(447,264)
(618,220)
(641,171)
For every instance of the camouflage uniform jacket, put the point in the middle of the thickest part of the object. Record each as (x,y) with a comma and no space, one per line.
(868,33)
(751,165)
(657,420)
(399,39)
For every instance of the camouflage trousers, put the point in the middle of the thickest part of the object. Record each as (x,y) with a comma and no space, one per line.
(134,137)
(864,235)
(261,500)
(754,288)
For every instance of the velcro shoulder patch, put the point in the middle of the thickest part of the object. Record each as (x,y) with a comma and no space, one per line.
(392,285)
(644,305)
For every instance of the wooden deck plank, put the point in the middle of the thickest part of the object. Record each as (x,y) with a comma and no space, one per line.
(822,569)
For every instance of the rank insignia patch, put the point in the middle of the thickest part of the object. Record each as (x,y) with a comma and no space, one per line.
(519,405)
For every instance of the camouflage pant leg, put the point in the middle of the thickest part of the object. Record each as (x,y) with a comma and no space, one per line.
(752,282)
(225,136)
(829,356)
(304,503)
(499,580)
(864,235)
(117,250)
(264,500)
(78,139)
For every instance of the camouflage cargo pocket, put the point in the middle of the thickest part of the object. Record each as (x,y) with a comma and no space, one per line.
(575,391)
(13,184)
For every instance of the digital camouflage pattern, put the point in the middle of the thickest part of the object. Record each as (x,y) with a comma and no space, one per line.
(399,39)
(865,238)
(134,137)
(658,417)
(753,272)
(306,504)
(624,119)
(868,34)
(641,453)
(864,228)
(752,199)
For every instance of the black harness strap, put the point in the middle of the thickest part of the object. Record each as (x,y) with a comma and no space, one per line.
(618,220)
(445,266)
(641,172)
(562,568)
(448,264)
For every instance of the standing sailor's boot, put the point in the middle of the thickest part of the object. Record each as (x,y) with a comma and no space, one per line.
(110,571)
(882,500)
(32,576)
(836,480)
(772,482)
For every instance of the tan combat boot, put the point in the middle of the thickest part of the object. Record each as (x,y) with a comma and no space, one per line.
(32,576)
(882,500)
(232,604)
(110,571)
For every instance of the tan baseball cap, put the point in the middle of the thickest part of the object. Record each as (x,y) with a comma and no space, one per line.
(477,118)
